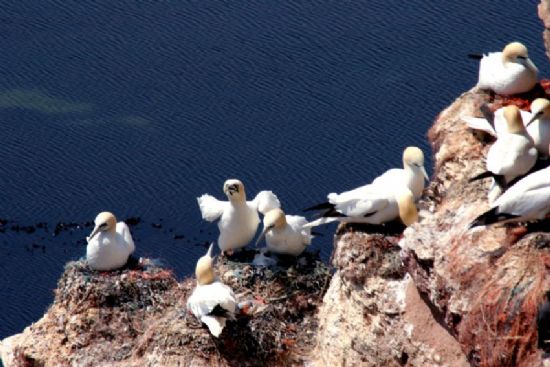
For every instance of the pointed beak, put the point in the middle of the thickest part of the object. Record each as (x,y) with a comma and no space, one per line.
(425,173)
(262,235)
(531,65)
(94,232)
(533,118)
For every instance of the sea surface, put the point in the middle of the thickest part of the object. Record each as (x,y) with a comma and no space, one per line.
(138,107)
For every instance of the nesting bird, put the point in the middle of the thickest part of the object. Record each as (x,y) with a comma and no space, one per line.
(537,124)
(212,302)
(527,199)
(238,218)
(507,72)
(285,234)
(110,243)
(512,155)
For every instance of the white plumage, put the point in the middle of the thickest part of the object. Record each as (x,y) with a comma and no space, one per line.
(376,202)
(285,234)
(536,122)
(204,300)
(527,199)
(508,72)
(238,218)
(212,302)
(110,243)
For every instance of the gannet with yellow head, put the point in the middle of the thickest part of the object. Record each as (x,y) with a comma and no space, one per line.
(285,234)
(512,155)
(508,72)
(212,302)
(110,243)
(375,203)
(238,218)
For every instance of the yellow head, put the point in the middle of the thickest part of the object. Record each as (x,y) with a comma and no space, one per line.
(540,107)
(514,52)
(514,123)
(234,189)
(275,218)
(104,222)
(413,158)
(204,271)
(407,207)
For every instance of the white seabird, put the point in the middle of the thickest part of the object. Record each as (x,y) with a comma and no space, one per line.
(238,218)
(110,243)
(512,155)
(212,302)
(537,124)
(527,199)
(285,234)
(507,72)
(377,207)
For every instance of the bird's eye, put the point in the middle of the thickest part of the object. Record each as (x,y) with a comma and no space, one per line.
(522,57)
(103,225)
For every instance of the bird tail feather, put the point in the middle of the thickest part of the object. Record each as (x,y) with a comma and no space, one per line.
(215,324)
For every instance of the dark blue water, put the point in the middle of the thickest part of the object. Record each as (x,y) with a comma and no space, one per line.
(138,107)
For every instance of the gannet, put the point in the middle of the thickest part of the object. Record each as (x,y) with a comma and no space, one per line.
(238,218)
(527,199)
(537,124)
(507,72)
(285,234)
(375,207)
(110,243)
(212,302)
(512,155)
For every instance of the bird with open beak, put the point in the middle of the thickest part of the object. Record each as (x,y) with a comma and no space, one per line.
(238,218)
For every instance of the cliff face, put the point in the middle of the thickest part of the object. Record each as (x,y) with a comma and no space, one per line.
(139,318)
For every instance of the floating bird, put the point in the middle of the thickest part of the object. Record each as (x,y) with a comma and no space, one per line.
(238,218)
(212,302)
(110,243)
(285,234)
(375,207)
(512,155)
(527,199)
(537,123)
(507,72)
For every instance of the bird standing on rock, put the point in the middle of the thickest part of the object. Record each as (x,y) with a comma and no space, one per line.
(110,243)
(212,302)
(507,72)
(512,155)
(238,218)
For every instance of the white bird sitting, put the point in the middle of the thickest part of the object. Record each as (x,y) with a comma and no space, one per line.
(238,218)
(507,72)
(377,207)
(512,155)
(537,123)
(212,302)
(285,234)
(527,199)
(110,243)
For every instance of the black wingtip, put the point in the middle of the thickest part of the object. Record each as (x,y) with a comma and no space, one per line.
(481,176)
(475,56)
(322,206)
(490,217)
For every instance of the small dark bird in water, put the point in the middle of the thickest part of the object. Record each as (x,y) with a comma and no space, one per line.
(543,324)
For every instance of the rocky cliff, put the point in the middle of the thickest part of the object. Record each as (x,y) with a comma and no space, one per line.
(436,294)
